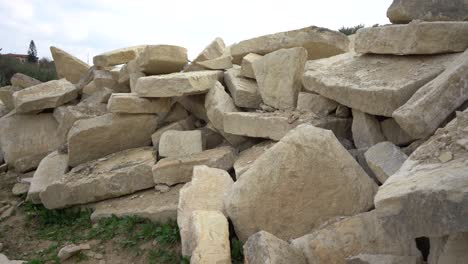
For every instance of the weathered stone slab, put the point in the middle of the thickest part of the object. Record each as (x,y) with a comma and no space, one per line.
(175,143)
(247,65)
(319,42)
(177,84)
(204,192)
(27,139)
(115,175)
(366,130)
(68,66)
(43,96)
(118,56)
(171,171)
(413,39)
(315,103)
(263,247)
(244,91)
(248,156)
(383,259)
(106,79)
(267,197)
(394,133)
(6,95)
(385,159)
(162,59)
(23,81)
(374,84)
(217,104)
(363,233)
(150,204)
(404,11)
(131,103)
(94,138)
(449,249)
(279,77)
(277,124)
(53,167)
(220,63)
(214,50)
(182,125)
(435,101)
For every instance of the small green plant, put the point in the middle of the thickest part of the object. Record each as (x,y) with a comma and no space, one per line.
(237,251)
(350,30)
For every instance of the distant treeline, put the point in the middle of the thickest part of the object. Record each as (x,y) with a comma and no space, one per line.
(44,70)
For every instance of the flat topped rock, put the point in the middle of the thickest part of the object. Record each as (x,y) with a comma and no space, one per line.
(404,11)
(162,59)
(68,66)
(374,84)
(23,81)
(131,103)
(177,84)
(319,42)
(43,96)
(413,39)
(118,56)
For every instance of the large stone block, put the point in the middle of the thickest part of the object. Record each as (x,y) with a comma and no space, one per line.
(384,159)
(279,77)
(248,157)
(220,63)
(404,11)
(94,138)
(217,104)
(175,143)
(131,103)
(115,175)
(23,81)
(182,125)
(68,66)
(244,91)
(162,59)
(118,56)
(288,189)
(214,50)
(247,65)
(366,130)
(315,103)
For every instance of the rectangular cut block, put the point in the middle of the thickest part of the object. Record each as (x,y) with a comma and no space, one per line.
(175,143)
(182,125)
(162,59)
(405,11)
(247,65)
(118,56)
(244,91)
(131,103)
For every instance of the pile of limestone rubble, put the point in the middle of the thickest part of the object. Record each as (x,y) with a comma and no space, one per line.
(318,147)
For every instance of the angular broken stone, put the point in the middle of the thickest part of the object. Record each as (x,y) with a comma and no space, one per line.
(275,125)
(97,137)
(247,65)
(23,81)
(263,247)
(177,84)
(315,103)
(366,130)
(385,159)
(383,259)
(404,11)
(248,156)
(171,171)
(131,103)
(449,249)
(115,175)
(70,250)
(214,50)
(363,233)
(220,63)
(279,77)
(20,188)
(118,56)
(52,168)
(217,104)
(43,96)
(204,192)
(415,38)
(319,42)
(68,66)
(182,125)
(195,104)
(284,190)
(6,95)
(435,101)
(175,143)
(244,91)
(106,79)
(209,232)
(150,204)
(374,84)
(27,139)
(394,133)
(162,59)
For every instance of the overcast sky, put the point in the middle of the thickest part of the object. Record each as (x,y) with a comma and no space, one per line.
(84,27)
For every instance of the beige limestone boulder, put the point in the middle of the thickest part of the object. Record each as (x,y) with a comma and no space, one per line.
(366,130)
(118,56)
(319,42)
(449,249)
(94,138)
(244,91)
(106,79)
(205,192)
(27,139)
(150,204)
(415,38)
(315,103)
(217,104)
(264,248)
(162,59)
(182,125)
(425,111)
(131,103)
(220,63)
(171,171)
(209,232)
(247,65)
(289,189)
(43,96)
(175,143)
(23,81)
(394,133)
(68,66)
(343,238)
(177,84)
(134,79)
(374,84)
(248,157)
(425,196)
(115,175)
(384,159)
(6,95)
(404,11)
(277,124)
(52,168)
(383,259)
(214,50)
(279,76)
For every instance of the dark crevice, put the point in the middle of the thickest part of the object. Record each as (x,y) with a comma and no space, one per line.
(424,245)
